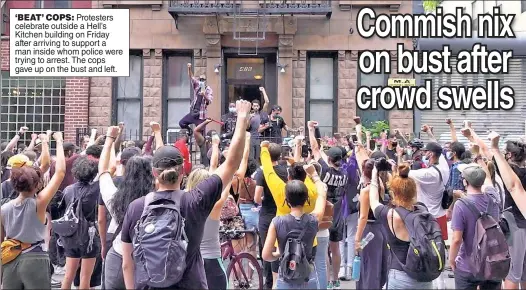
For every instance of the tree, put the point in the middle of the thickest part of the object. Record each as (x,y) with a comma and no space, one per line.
(431,5)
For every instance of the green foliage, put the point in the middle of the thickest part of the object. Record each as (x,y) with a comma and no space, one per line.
(431,5)
(377,128)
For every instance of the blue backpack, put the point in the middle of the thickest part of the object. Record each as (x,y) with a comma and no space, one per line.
(160,242)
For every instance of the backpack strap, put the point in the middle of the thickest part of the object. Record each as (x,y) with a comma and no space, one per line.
(304,225)
(471,207)
(439,174)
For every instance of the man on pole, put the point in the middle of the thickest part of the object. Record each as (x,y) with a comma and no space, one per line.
(203,96)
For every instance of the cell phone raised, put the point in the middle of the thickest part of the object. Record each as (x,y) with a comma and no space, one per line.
(354,137)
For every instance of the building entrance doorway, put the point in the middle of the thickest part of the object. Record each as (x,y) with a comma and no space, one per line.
(245,75)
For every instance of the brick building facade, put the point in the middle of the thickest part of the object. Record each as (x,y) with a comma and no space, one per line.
(307,63)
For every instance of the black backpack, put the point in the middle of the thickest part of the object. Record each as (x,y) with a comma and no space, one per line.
(160,242)
(294,266)
(447,195)
(73,227)
(427,253)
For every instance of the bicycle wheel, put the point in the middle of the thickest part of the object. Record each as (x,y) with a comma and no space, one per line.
(244,272)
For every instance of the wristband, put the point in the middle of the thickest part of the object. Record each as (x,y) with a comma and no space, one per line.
(111,137)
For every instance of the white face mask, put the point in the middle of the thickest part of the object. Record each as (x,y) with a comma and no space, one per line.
(232,110)
(409,152)
(449,155)
(425,160)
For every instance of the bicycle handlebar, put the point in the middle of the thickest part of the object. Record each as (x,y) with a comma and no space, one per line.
(238,231)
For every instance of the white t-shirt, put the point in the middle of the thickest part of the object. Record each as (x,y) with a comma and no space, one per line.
(107,191)
(429,188)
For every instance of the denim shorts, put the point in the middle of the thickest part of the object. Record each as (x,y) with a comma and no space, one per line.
(251,217)
(312,284)
(400,280)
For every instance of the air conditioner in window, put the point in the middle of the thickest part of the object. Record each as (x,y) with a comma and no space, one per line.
(171,135)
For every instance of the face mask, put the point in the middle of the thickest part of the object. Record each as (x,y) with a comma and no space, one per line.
(232,110)
(409,151)
(425,160)
(449,155)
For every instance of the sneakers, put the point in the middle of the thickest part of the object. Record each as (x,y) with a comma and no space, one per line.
(345,273)
(335,285)
(60,270)
(55,283)
(330,286)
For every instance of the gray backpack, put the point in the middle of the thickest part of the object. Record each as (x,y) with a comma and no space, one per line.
(490,257)
(160,242)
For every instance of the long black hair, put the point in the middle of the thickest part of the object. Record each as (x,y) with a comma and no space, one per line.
(138,182)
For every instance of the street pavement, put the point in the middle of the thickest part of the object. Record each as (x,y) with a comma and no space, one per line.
(450,282)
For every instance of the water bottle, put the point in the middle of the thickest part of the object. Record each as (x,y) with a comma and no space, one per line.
(356,265)
(357,259)
(368,238)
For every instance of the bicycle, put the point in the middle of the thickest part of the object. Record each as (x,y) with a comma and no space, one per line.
(239,273)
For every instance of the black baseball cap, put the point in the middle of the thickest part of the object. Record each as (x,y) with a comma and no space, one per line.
(276,108)
(166,157)
(433,147)
(335,153)
(128,153)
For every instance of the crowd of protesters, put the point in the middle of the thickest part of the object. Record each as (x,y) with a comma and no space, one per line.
(139,215)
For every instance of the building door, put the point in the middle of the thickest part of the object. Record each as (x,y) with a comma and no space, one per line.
(244,76)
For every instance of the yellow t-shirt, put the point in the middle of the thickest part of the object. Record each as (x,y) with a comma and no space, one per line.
(277,188)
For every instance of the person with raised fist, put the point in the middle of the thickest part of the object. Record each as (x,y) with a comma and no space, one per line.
(203,96)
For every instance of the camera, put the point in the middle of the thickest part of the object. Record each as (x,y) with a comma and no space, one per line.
(382,164)
(305,151)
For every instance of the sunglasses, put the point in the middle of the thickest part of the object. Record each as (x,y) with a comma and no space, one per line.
(202,80)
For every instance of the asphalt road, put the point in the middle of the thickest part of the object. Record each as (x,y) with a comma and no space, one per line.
(450,282)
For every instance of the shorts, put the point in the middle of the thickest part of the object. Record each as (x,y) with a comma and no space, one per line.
(517,272)
(84,252)
(251,217)
(336,232)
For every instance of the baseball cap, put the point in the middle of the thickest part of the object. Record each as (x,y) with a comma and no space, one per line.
(166,157)
(128,153)
(335,153)
(472,173)
(18,161)
(276,108)
(433,147)
(38,142)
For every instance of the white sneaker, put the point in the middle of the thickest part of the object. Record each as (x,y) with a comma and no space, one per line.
(60,270)
(341,274)
(345,273)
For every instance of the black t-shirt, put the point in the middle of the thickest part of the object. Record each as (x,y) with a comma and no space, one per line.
(196,205)
(275,129)
(268,205)
(391,154)
(7,190)
(509,202)
(117,180)
(5,174)
(398,247)
(90,195)
(335,179)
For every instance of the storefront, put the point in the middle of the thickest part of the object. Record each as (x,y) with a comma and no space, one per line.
(304,54)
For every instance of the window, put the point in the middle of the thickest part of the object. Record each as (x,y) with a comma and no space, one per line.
(37,103)
(178,89)
(58,4)
(523,6)
(370,116)
(322,101)
(3,19)
(127,99)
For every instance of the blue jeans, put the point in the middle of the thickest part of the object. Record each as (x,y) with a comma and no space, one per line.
(312,284)
(320,261)
(251,217)
(400,280)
